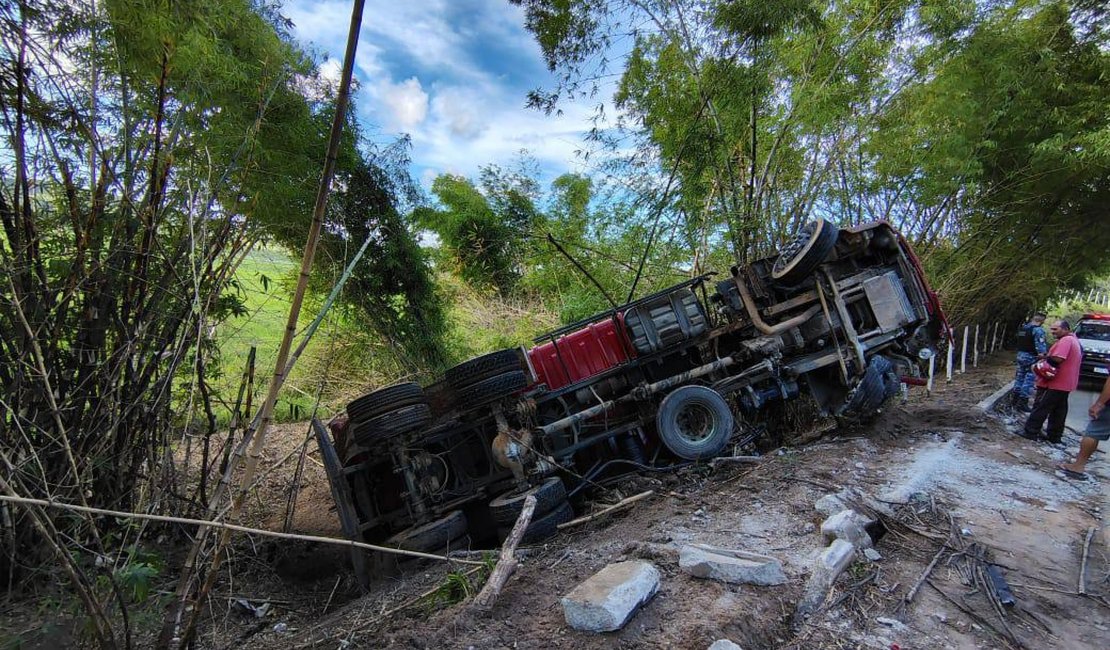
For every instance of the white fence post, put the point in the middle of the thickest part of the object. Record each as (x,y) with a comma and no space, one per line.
(932,367)
(963,353)
(975,348)
(948,363)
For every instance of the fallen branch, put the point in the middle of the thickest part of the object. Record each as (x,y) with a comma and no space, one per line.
(1012,643)
(230,527)
(507,563)
(1082,590)
(727,460)
(924,576)
(623,503)
(381,617)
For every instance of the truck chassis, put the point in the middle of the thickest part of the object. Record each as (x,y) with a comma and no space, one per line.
(844,316)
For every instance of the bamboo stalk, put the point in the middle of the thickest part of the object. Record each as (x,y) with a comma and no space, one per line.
(507,562)
(280,372)
(43,503)
(1082,587)
(624,503)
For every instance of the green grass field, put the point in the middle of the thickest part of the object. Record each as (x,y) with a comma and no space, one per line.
(265,281)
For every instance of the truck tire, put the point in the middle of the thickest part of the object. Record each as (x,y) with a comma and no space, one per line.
(807,249)
(383,400)
(483,367)
(694,422)
(878,384)
(431,536)
(549,494)
(491,389)
(543,527)
(391,424)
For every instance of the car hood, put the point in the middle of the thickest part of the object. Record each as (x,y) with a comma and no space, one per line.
(1091,345)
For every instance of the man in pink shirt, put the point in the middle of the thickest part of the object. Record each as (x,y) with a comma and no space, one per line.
(1051,400)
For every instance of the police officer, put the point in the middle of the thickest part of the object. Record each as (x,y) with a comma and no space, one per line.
(1031,344)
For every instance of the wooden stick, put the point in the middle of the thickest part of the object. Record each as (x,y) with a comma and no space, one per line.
(230,527)
(507,563)
(924,576)
(1082,590)
(750,460)
(616,506)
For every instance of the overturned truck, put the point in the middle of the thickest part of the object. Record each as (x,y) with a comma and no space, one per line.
(844,317)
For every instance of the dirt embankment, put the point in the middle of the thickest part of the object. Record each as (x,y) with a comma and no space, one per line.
(997,493)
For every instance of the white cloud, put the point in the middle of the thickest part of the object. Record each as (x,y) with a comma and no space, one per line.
(406,102)
(456,100)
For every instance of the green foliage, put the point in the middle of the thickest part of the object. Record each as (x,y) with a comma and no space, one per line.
(483,243)
(136,579)
(978,128)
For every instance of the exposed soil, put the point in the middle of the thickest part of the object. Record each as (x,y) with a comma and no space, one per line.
(999,490)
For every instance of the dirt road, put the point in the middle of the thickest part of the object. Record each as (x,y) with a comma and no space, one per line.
(965,472)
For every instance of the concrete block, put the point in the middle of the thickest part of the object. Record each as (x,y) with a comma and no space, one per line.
(724,644)
(609,598)
(828,564)
(835,558)
(847,525)
(731,566)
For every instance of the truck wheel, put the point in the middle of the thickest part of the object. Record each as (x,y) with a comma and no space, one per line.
(506,508)
(431,536)
(877,385)
(483,367)
(694,422)
(491,389)
(393,423)
(543,527)
(383,400)
(808,248)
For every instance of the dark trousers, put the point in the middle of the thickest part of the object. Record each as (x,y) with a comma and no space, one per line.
(1051,405)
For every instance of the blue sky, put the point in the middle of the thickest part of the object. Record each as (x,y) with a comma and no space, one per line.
(454,75)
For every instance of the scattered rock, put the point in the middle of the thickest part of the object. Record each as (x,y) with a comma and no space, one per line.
(280,628)
(726,565)
(872,554)
(609,598)
(1050,509)
(847,525)
(891,623)
(940,616)
(965,532)
(830,504)
(828,564)
(724,644)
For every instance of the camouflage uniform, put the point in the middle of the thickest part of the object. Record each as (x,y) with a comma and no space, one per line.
(1024,377)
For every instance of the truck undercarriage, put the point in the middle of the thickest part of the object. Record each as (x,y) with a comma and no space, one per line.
(843,316)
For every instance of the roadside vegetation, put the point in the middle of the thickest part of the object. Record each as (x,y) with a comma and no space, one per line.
(159,163)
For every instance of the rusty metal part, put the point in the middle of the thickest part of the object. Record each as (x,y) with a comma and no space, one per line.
(757,320)
(832,331)
(512,449)
(846,321)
